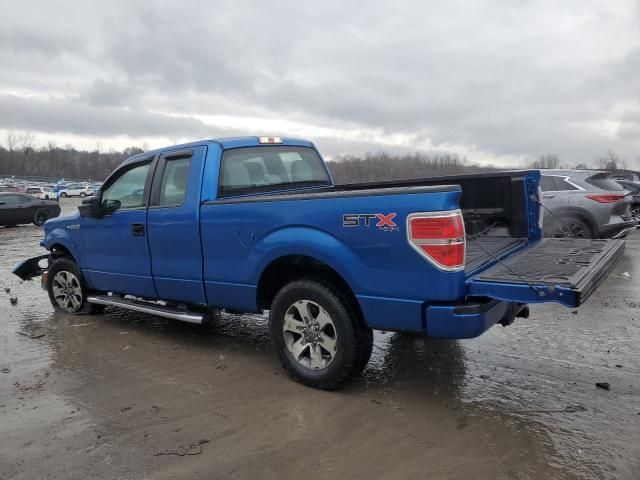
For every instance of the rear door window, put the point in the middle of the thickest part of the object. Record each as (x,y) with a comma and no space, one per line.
(174,182)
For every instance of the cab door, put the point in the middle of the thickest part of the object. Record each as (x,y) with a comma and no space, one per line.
(116,252)
(173,222)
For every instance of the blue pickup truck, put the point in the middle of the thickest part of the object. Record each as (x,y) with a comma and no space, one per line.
(255,223)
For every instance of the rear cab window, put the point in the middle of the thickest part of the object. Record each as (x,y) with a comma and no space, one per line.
(270,169)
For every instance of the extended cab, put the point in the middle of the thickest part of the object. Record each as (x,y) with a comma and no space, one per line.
(251,224)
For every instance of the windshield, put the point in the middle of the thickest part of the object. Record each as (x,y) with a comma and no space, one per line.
(270,168)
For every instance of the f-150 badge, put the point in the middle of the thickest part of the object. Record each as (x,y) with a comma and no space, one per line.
(382,221)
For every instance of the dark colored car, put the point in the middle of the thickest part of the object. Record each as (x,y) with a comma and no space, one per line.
(634,189)
(19,208)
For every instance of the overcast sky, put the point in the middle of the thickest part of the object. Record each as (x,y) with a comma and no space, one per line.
(496,81)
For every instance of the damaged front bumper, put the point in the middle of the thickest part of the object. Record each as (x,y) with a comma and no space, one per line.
(30,268)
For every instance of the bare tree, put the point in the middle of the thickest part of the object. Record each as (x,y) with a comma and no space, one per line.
(547,160)
(609,161)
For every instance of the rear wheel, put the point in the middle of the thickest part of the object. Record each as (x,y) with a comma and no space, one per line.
(82,194)
(63,194)
(67,288)
(318,334)
(41,216)
(570,227)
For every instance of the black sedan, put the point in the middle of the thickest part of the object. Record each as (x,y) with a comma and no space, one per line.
(19,208)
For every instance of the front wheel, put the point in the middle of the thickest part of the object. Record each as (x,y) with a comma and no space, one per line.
(63,194)
(318,334)
(67,288)
(82,194)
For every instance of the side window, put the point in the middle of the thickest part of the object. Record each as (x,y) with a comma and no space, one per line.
(174,182)
(563,185)
(128,187)
(11,199)
(547,184)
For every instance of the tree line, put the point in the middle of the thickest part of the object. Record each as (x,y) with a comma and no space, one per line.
(22,157)
(380,166)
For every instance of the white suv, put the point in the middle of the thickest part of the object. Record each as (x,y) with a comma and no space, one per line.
(76,191)
(43,193)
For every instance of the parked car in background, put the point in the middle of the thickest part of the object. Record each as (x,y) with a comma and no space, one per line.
(76,190)
(43,193)
(634,190)
(584,204)
(18,208)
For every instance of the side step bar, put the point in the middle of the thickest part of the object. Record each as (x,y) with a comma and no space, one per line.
(146,307)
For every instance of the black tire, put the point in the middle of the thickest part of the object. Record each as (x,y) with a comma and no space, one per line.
(63,194)
(353,339)
(80,306)
(569,226)
(46,197)
(41,216)
(82,194)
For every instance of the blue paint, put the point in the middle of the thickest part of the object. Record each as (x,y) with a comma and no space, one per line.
(213,252)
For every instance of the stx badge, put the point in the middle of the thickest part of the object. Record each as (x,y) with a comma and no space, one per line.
(380,220)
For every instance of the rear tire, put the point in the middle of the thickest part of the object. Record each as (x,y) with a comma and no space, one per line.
(67,288)
(318,334)
(63,194)
(570,227)
(41,216)
(82,194)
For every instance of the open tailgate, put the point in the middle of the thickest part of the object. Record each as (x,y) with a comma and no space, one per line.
(563,270)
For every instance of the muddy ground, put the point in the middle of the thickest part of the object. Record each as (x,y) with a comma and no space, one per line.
(125,395)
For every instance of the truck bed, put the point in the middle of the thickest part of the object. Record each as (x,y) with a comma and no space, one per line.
(483,249)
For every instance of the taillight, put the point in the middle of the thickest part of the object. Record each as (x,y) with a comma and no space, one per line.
(438,237)
(606,197)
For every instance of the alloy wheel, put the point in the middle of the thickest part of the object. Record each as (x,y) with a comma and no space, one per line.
(310,335)
(67,291)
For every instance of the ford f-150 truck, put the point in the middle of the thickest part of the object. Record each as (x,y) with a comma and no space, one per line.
(255,223)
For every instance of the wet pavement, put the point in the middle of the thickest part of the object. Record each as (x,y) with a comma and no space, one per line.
(125,395)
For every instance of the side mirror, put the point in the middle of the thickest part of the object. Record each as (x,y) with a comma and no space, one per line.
(91,207)
(110,206)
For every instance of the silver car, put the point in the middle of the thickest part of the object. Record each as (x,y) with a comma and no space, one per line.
(584,204)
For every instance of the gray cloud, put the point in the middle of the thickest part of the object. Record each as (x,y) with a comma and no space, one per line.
(503,78)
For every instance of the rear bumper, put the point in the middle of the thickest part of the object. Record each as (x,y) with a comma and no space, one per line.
(471,319)
(618,230)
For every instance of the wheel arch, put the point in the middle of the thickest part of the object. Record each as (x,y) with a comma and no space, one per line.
(580,213)
(288,268)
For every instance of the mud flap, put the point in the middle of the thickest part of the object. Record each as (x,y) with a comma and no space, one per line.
(27,269)
(563,270)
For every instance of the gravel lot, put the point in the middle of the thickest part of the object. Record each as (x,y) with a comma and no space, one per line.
(125,395)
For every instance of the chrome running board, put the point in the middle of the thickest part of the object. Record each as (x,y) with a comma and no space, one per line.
(146,307)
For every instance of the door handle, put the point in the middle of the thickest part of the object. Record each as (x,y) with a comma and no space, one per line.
(549,196)
(137,229)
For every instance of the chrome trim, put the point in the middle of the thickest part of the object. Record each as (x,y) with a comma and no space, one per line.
(440,214)
(158,310)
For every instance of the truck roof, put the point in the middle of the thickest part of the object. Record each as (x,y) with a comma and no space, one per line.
(227,142)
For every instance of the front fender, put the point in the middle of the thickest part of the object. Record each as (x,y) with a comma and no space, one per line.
(309,242)
(60,236)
